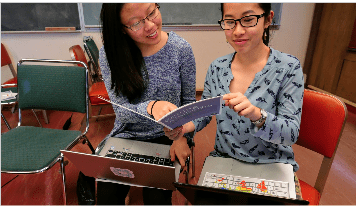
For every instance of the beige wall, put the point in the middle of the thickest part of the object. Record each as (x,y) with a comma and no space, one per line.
(292,37)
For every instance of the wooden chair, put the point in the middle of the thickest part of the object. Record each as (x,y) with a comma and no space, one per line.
(6,61)
(31,150)
(322,123)
(96,87)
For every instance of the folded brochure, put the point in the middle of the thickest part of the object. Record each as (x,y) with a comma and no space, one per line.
(185,113)
(8,95)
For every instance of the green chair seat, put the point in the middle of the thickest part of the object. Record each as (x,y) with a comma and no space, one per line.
(35,150)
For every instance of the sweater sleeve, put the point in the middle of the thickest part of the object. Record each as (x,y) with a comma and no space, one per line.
(283,127)
(188,75)
(123,115)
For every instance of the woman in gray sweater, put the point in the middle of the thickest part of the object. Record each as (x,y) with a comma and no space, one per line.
(149,71)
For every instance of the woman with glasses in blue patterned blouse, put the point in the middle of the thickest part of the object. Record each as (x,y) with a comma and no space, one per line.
(149,71)
(262,88)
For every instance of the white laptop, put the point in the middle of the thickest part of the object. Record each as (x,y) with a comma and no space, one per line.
(226,181)
(276,179)
(129,162)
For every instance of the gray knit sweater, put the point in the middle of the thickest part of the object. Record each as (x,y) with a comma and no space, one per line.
(171,78)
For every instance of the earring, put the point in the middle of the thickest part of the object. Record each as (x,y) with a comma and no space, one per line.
(227,41)
(265,34)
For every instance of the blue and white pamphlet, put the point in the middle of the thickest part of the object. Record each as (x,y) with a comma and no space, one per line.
(185,113)
(8,95)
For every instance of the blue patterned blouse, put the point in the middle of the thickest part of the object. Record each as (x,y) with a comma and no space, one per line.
(171,74)
(278,89)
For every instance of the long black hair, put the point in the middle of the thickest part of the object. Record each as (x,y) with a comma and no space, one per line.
(123,56)
(266,7)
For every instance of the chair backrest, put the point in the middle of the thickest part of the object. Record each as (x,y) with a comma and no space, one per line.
(77,54)
(92,51)
(53,85)
(322,123)
(5,60)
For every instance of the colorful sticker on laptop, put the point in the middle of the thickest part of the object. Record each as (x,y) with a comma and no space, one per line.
(122,172)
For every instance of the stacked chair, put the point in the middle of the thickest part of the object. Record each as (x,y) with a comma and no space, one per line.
(97,86)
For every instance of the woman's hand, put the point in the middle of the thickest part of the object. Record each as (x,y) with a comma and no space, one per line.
(175,133)
(240,104)
(179,131)
(160,108)
(181,150)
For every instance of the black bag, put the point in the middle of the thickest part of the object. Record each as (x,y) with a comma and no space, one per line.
(85,190)
(85,184)
(68,123)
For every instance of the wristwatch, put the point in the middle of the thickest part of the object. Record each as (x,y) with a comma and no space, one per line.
(263,117)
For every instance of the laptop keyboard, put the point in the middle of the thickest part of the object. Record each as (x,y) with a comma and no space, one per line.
(246,184)
(139,158)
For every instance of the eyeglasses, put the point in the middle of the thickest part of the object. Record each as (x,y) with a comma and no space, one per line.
(246,21)
(138,25)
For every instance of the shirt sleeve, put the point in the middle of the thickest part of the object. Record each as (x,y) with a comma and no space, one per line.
(200,123)
(283,127)
(123,115)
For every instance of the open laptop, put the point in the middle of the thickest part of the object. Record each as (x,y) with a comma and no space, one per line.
(202,195)
(229,181)
(129,162)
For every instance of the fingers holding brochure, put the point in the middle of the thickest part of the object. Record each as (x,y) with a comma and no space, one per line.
(182,115)
(159,109)
(173,134)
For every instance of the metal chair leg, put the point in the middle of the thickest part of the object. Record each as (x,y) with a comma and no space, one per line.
(193,162)
(45,116)
(7,124)
(13,108)
(187,164)
(96,191)
(36,117)
(63,179)
(86,141)
(99,113)
(186,172)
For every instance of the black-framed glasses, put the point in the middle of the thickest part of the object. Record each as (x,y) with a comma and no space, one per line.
(246,21)
(138,25)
